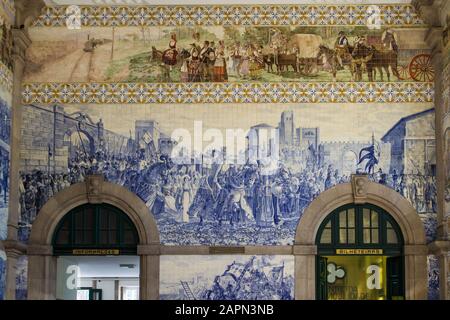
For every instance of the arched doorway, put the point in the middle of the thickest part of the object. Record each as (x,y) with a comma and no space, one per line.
(127,226)
(96,246)
(359,255)
(361,192)
(95,227)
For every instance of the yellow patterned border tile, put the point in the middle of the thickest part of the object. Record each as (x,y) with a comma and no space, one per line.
(297,92)
(238,15)
(6,78)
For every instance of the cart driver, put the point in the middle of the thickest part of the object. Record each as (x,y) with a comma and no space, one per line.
(341,46)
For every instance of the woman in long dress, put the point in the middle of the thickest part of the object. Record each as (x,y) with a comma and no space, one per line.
(244,69)
(186,198)
(220,66)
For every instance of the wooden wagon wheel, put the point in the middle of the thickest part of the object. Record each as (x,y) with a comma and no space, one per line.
(403,71)
(421,69)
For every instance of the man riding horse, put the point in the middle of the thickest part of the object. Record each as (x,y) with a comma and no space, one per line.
(169,56)
(342,48)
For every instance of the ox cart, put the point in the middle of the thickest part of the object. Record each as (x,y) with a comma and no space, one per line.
(299,52)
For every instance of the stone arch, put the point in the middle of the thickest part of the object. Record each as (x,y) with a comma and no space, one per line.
(68,135)
(42,263)
(360,191)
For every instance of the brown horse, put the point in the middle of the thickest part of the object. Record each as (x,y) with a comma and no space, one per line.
(269,60)
(156,54)
(375,59)
(331,58)
(286,60)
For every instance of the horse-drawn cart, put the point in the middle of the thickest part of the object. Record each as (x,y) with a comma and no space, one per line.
(419,68)
(299,52)
(412,63)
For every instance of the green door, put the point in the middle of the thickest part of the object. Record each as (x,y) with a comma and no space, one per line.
(395,290)
(322,292)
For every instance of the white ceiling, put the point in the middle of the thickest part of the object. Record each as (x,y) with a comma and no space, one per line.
(105,267)
(215,2)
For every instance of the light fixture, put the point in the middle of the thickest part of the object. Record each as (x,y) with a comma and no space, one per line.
(127,265)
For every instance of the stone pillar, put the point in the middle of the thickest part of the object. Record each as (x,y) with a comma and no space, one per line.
(437,15)
(21,42)
(149,272)
(305,272)
(416,272)
(13,250)
(42,276)
(26,11)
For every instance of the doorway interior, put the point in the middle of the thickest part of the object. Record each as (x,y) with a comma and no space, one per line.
(360,255)
(97,278)
(96,246)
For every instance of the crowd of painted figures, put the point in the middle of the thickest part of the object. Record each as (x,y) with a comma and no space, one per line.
(5,131)
(211,62)
(249,281)
(206,61)
(215,193)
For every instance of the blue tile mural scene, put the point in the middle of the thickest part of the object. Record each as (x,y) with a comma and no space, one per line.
(227,278)
(206,196)
(2,274)
(21,278)
(5,131)
(433,277)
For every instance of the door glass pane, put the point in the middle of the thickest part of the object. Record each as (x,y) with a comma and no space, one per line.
(351,236)
(128,237)
(78,219)
(391,236)
(112,221)
(342,235)
(112,236)
(374,217)
(351,217)
(103,236)
(78,236)
(88,236)
(88,219)
(342,219)
(325,238)
(374,235)
(366,235)
(63,237)
(366,218)
(103,219)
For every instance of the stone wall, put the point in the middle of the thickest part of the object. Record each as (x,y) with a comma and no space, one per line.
(38,138)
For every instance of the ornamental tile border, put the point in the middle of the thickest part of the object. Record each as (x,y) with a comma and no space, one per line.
(142,93)
(232,15)
(6,78)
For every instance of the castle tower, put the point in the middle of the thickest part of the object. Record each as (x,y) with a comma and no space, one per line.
(287,128)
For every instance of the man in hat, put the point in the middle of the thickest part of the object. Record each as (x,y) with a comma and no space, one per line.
(170,55)
(341,46)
